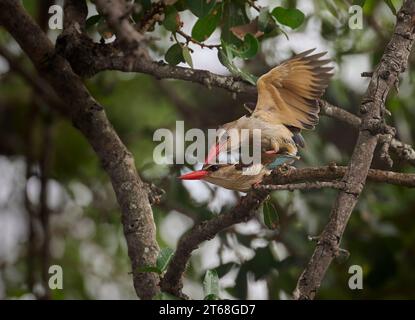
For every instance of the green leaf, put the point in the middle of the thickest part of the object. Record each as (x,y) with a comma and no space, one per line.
(211,283)
(164,258)
(162,262)
(247,77)
(91,21)
(226,61)
(212,297)
(204,27)
(234,14)
(226,58)
(200,8)
(174,55)
(225,268)
(249,48)
(391,6)
(187,57)
(290,17)
(271,218)
(172,20)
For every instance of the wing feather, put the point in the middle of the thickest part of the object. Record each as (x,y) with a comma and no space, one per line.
(288,93)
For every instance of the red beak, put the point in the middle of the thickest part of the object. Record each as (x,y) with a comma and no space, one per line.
(213,152)
(194,175)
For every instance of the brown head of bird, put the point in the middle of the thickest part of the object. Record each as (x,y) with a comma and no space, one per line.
(229,176)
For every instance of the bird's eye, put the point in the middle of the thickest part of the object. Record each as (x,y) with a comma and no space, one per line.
(214,168)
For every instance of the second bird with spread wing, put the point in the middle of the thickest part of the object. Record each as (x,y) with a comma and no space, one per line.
(287,103)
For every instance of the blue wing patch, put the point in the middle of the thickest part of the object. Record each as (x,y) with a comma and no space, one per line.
(280,160)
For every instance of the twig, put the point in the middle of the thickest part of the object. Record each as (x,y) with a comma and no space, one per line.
(151,17)
(31,212)
(252,4)
(404,151)
(366,74)
(116,13)
(394,61)
(246,209)
(329,110)
(305,185)
(117,161)
(90,118)
(44,212)
(92,58)
(193,40)
(242,212)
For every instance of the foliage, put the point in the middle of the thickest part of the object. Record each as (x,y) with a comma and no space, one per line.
(86,234)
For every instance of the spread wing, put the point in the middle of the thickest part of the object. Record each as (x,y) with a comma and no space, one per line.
(288,93)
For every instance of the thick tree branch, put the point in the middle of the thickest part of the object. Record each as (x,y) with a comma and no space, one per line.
(325,176)
(206,230)
(90,118)
(124,56)
(393,62)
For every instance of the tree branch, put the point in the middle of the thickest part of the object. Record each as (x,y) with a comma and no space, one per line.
(90,118)
(325,176)
(88,58)
(206,230)
(116,13)
(129,59)
(394,61)
(402,150)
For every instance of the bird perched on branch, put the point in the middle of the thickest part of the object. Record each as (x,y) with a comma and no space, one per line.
(287,103)
(237,176)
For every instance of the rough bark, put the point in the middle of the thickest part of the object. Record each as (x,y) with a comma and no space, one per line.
(305,178)
(127,54)
(90,118)
(393,62)
(88,58)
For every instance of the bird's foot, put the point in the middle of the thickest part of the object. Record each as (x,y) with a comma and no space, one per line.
(285,167)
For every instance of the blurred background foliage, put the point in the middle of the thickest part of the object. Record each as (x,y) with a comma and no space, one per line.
(57,205)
